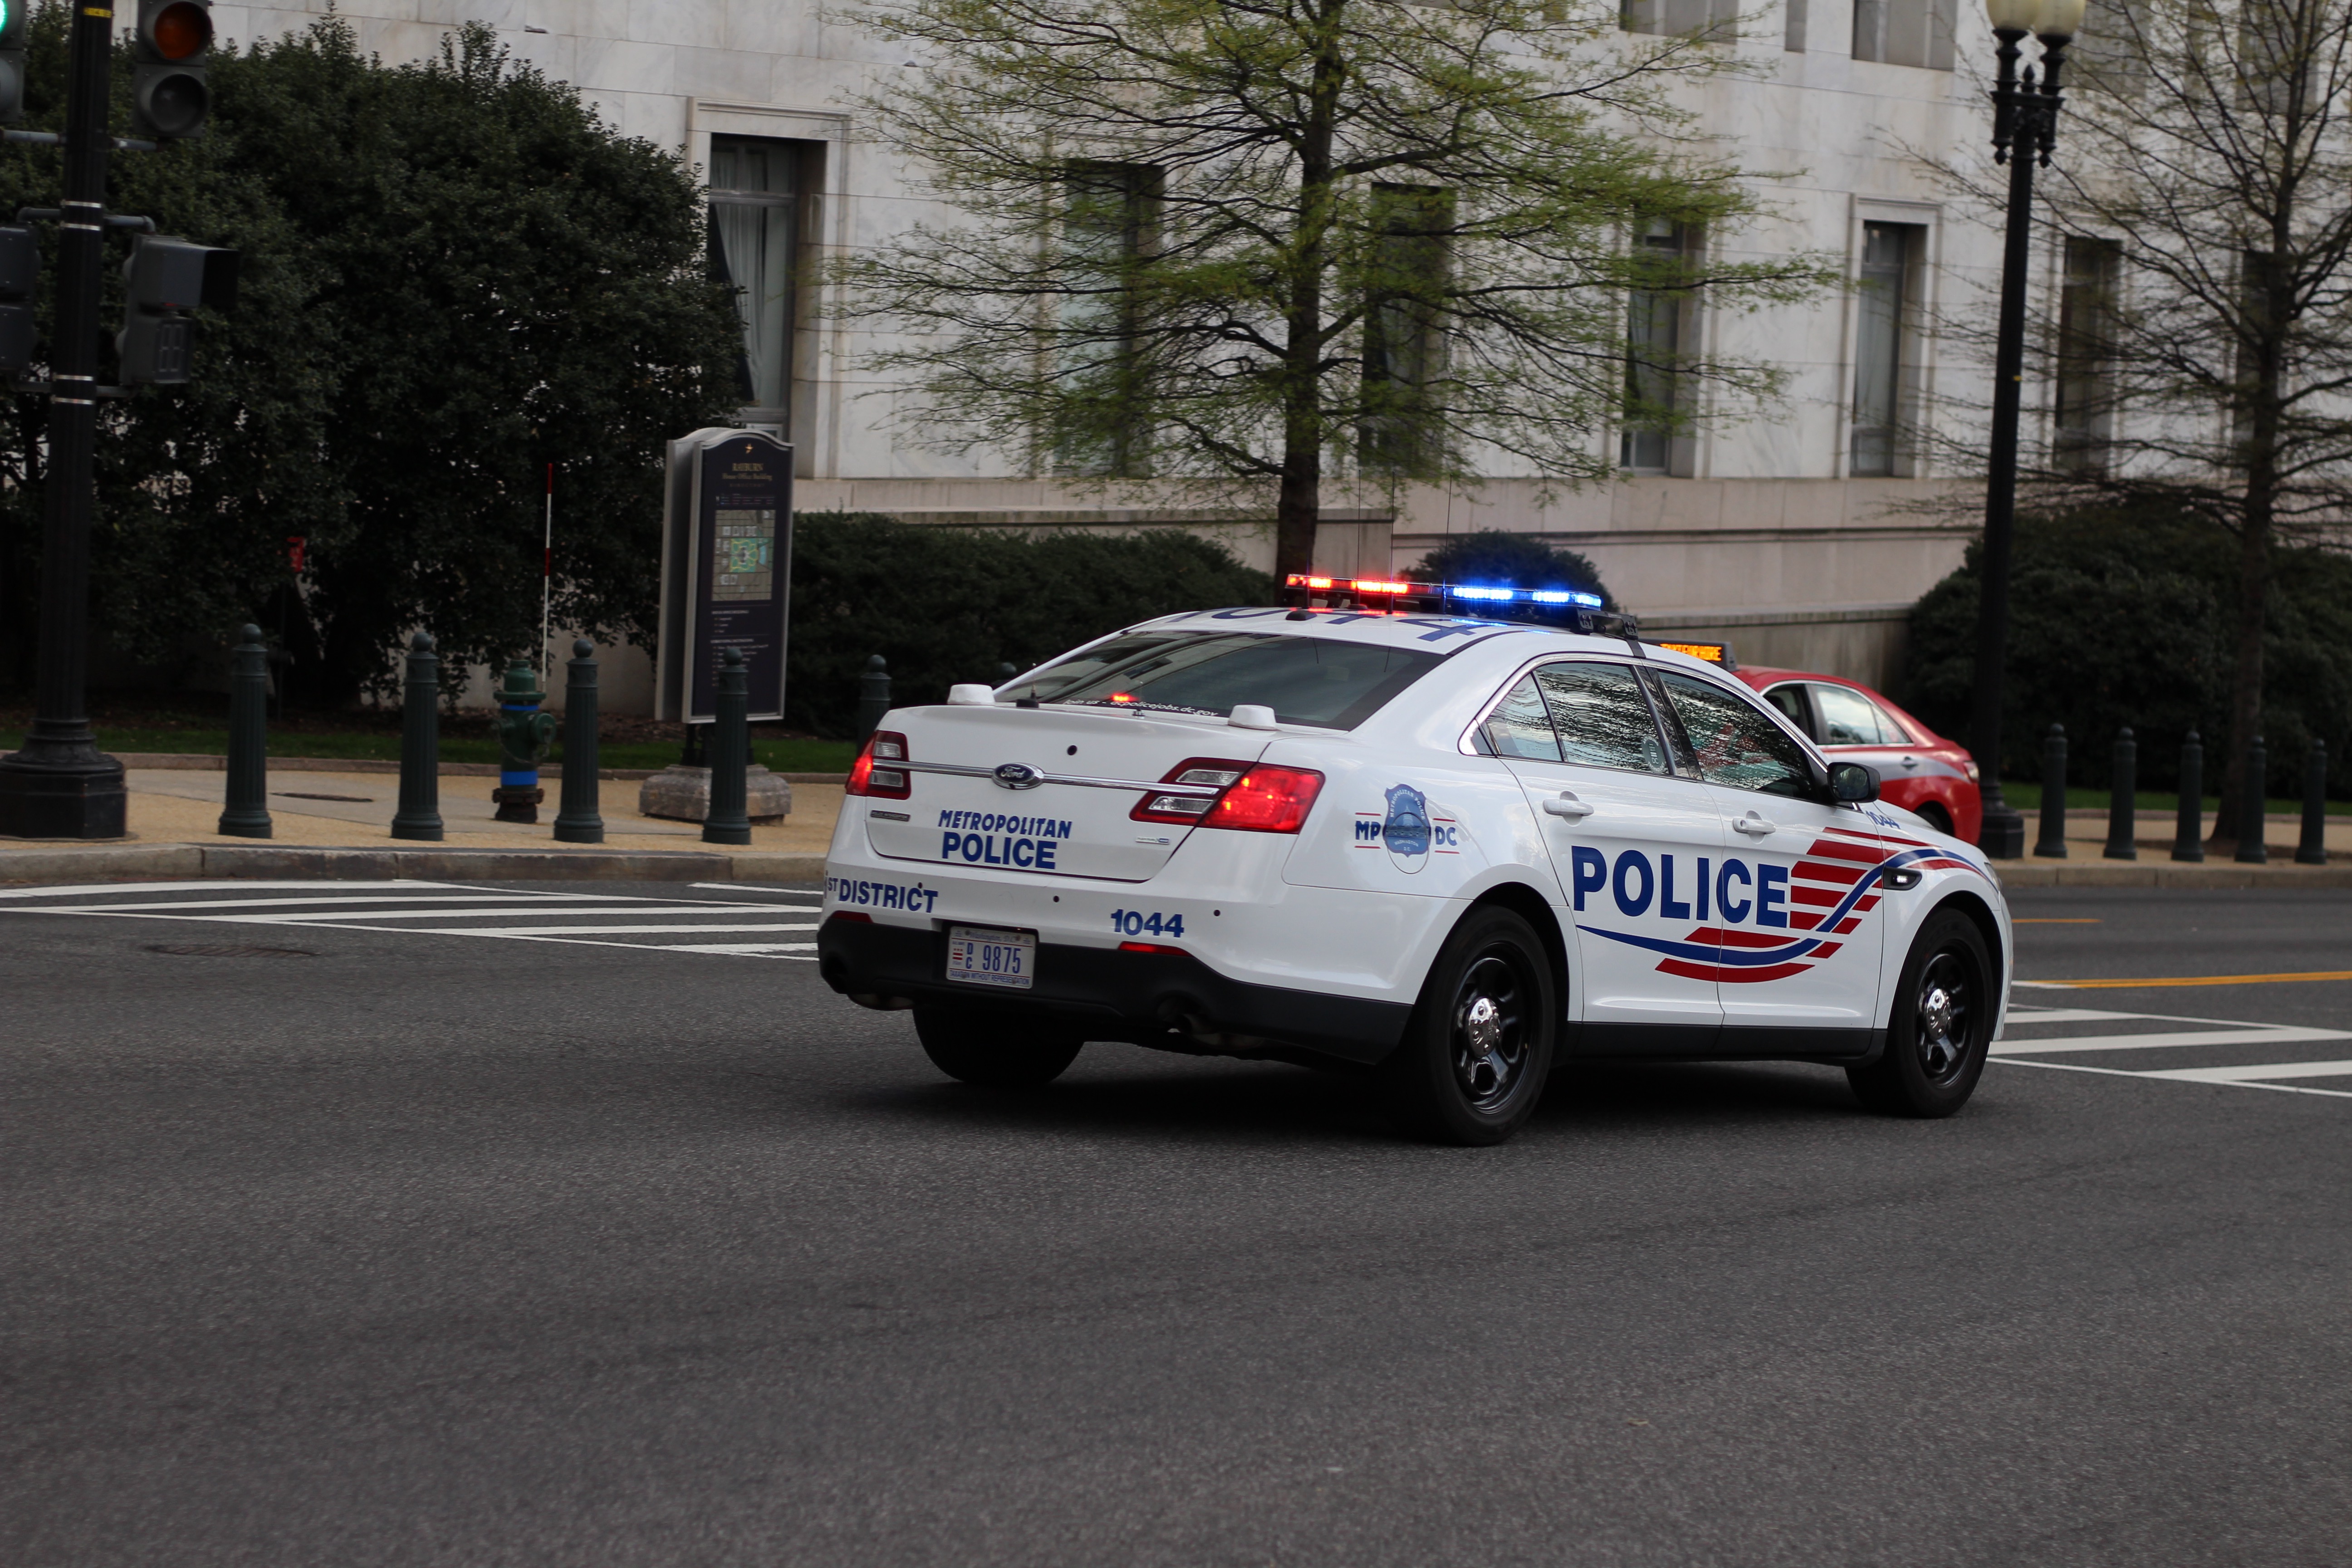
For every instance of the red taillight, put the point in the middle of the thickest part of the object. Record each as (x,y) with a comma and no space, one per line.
(872,774)
(1267,800)
(1204,772)
(851,917)
(1149,947)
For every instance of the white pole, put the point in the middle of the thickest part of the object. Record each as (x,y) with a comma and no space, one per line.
(546,577)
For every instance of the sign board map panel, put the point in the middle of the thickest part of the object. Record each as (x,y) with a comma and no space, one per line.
(727,549)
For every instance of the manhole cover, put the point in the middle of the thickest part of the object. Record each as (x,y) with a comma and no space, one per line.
(298,794)
(227,950)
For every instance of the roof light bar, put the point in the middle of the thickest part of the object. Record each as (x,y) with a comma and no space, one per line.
(1474,593)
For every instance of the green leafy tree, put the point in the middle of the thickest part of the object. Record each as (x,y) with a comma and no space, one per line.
(1493,557)
(453,275)
(1251,244)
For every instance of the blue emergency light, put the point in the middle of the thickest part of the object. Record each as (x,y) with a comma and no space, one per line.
(1572,606)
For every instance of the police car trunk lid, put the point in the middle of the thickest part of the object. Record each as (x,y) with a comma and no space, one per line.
(1091,768)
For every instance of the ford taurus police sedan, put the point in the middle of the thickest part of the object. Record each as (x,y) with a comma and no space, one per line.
(1448,848)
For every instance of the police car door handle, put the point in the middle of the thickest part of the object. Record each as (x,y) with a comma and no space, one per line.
(1755,826)
(1566,805)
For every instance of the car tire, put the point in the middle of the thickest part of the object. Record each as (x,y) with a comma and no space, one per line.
(1936,816)
(1941,1029)
(1478,1046)
(993,1051)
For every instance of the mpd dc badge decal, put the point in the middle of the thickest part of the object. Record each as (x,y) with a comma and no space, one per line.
(1410,829)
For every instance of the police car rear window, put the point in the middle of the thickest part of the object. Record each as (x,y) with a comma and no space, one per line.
(1306,680)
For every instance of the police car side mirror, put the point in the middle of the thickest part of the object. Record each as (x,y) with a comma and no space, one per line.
(1854,783)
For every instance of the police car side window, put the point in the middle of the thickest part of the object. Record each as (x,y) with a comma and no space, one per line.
(1737,744)
(1850,718)
(1602,718)
(1520,726)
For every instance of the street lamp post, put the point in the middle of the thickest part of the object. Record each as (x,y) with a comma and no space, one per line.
(2025,129)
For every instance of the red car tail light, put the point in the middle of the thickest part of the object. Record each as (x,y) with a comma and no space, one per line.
(872,772)
(1186,810)
(1267,800)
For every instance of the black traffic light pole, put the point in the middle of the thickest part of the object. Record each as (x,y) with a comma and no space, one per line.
(59,785)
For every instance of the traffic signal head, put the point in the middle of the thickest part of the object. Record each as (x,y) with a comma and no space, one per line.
(16,22)
(169,95)
(165,278)
(20,276)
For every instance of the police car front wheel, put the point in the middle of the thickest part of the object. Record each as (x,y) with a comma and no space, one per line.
(993,1051)
(1942,1026)
(1479,1045)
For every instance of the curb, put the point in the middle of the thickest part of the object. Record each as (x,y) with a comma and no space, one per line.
(587,864)
(205,762)
(2190,874)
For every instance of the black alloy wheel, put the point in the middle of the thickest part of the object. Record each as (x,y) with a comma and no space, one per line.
(1942,1025)
(1478,1047)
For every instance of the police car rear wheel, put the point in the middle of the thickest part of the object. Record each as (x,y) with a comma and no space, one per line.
(1479,1045)
(992,1050)
(1942,1026)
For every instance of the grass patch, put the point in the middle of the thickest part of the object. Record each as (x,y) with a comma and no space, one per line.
(2028,797)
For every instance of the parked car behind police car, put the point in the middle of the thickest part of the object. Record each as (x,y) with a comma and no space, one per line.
(1449,849)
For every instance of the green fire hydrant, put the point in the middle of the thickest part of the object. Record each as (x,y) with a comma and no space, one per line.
(525,737)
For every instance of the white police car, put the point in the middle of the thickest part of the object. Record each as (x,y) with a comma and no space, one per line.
(1451,848)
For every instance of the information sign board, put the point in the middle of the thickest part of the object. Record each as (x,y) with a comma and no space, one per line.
(726,569)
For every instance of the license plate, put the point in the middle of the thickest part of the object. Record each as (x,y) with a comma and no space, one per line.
(980,957)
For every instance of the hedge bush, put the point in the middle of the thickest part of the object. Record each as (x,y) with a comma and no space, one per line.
(2129,617)
(945,605)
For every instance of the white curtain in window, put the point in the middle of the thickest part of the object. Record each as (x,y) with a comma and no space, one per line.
(755,246)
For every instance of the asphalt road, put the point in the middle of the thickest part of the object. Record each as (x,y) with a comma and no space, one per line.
(427,1249)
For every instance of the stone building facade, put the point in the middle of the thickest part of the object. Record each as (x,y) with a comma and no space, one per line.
(1800,535)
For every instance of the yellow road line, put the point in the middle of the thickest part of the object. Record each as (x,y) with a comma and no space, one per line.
(2203,980)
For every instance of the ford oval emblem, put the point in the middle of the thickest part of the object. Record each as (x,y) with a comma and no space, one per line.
(1018,775)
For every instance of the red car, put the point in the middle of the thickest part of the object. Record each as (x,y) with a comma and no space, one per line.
(1918,769)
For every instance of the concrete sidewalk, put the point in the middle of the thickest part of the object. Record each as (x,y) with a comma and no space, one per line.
(338,824)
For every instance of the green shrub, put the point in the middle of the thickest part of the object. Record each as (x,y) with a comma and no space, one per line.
(945,605)
(1493,558)
(2129,617)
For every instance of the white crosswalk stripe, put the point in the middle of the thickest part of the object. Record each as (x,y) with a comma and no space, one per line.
(2035,1049)
(454,908)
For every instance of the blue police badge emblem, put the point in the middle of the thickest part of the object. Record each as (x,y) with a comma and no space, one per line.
(1406,829)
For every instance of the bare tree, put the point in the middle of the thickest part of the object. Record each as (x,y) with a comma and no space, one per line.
(1252,243)
(2199,354)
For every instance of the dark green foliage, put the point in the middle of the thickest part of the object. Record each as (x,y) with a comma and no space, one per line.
(1493,558)
(2128,617)
(453,274)
(948,605)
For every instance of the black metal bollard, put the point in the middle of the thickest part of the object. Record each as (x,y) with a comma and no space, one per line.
(2189,827)
(2313,850)
(580,822)
(2123,799)
(419,816)
(873,696)
(2252,849)
(730,753)
(2052,842)
(246,798)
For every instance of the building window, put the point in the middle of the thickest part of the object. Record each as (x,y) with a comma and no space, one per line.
(1904,32)
(2083,417)
(1656,320)
(1792,27)
(1406,268)
(1883,353)
(1716,20)
(755,194)
(1107,233)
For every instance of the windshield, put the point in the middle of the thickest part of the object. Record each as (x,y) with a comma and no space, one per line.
(1306,680)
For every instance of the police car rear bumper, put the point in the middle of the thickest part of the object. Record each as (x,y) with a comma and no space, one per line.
(1170,1000)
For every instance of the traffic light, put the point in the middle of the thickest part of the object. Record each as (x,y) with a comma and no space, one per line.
(16,22)
(169,97)
(164,279)
(20,275)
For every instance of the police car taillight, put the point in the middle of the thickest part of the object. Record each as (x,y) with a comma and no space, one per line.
(1206,778)
(1267,800)
(872,774)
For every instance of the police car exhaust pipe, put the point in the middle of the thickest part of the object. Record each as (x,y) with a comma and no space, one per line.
(880,1004)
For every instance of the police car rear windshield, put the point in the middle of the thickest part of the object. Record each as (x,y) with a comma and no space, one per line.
(1306,680)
